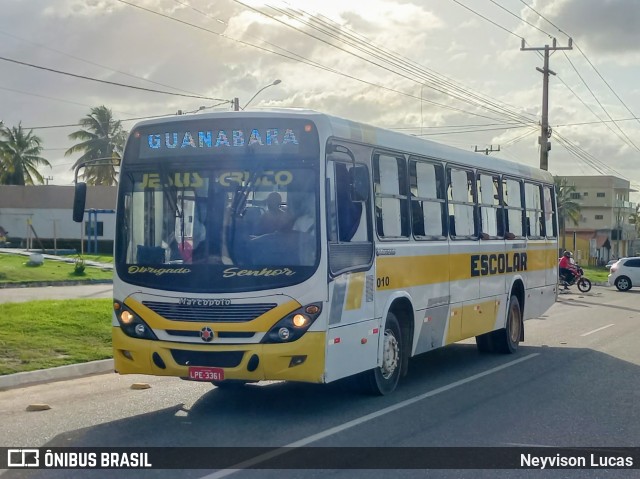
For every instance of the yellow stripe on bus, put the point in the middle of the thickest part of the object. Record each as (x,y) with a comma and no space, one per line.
(471,320)
(355,291)
(396,272)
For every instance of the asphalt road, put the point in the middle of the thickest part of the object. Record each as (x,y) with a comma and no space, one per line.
(573,383)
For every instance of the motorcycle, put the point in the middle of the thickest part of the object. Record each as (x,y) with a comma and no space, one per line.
(584,285)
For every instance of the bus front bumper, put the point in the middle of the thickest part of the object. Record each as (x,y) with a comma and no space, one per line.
(301,360)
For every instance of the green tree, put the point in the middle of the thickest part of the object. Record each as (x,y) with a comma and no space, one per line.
(101,137)
(20,156)
(568,209)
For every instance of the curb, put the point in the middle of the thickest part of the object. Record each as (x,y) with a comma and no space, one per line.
(42,284)
(59,373)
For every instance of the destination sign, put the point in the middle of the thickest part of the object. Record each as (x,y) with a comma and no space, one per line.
(181,139)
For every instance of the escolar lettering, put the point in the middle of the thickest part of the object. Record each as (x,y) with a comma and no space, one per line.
(498,263)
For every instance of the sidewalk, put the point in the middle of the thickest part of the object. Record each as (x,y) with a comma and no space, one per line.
(60,373)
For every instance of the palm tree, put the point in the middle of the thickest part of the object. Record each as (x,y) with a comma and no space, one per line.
(568,209)
(20,156)
(101,137)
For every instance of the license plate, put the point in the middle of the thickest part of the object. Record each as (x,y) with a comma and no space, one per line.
(206,374)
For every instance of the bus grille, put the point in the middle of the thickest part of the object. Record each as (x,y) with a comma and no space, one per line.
(219,359)
(233,313)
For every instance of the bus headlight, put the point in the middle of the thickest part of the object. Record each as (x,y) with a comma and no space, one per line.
(293,325)
(131,324)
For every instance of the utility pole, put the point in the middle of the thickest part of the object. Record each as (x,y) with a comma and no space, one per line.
(235,104)
(487,150)
(48,178)
(545,131)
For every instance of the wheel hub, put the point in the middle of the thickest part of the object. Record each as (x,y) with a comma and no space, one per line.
(391,354)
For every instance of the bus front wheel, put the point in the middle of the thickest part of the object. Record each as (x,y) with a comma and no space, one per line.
(384,379)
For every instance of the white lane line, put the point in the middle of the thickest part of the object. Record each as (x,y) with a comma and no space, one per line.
(355,422)
(599,329)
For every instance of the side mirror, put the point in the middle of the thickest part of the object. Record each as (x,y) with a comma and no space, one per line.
(359,183)
(79,200)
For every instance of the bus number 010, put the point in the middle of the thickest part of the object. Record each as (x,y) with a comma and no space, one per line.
(383,281)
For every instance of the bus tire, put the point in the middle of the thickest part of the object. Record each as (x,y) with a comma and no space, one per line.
(506,340)
(384,379)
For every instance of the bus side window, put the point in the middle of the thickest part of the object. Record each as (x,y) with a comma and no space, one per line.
(489,205)
(533,210)
(460,193)
(391,196)
(428,215)
(550,226)
(514,211)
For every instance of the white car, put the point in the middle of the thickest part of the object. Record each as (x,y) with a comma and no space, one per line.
(625,273)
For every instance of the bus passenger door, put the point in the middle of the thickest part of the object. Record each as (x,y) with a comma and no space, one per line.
(463,231)
(352,337)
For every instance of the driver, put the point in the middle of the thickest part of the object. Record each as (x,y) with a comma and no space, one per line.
(567,268)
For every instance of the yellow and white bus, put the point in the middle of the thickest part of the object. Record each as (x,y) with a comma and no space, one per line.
(378,246)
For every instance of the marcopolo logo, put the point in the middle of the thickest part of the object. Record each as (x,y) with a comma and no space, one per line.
(23,458)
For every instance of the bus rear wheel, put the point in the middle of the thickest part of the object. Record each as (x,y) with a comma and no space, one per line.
(506,340)
(384,379)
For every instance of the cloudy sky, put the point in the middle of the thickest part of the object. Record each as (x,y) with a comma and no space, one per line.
(367,60)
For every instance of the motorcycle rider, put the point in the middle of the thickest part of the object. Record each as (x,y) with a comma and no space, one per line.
(567,269)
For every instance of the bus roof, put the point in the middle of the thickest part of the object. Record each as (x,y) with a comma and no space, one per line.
(383,138)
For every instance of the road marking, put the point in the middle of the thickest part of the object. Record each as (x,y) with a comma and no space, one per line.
(356,422)
(596,330)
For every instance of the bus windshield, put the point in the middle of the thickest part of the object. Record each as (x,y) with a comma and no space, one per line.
(249,222)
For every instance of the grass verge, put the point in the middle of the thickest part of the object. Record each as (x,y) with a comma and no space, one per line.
(45,334)
(16,269)
(596,273)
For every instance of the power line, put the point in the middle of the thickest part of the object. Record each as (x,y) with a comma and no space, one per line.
(488,19)
(94,63)
(470,131)
(520,18)
(301,59)
(83,77)
(604,122)
(387,57)
(425,76)
(543,153)
(126,119)
(600,104)
(586,58)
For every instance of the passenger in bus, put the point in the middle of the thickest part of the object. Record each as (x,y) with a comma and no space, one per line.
(275,218)
(305,217)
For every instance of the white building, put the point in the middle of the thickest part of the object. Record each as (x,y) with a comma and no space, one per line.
(604,231)
(30,214)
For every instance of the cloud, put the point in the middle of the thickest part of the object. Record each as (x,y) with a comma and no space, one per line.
(600,26)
